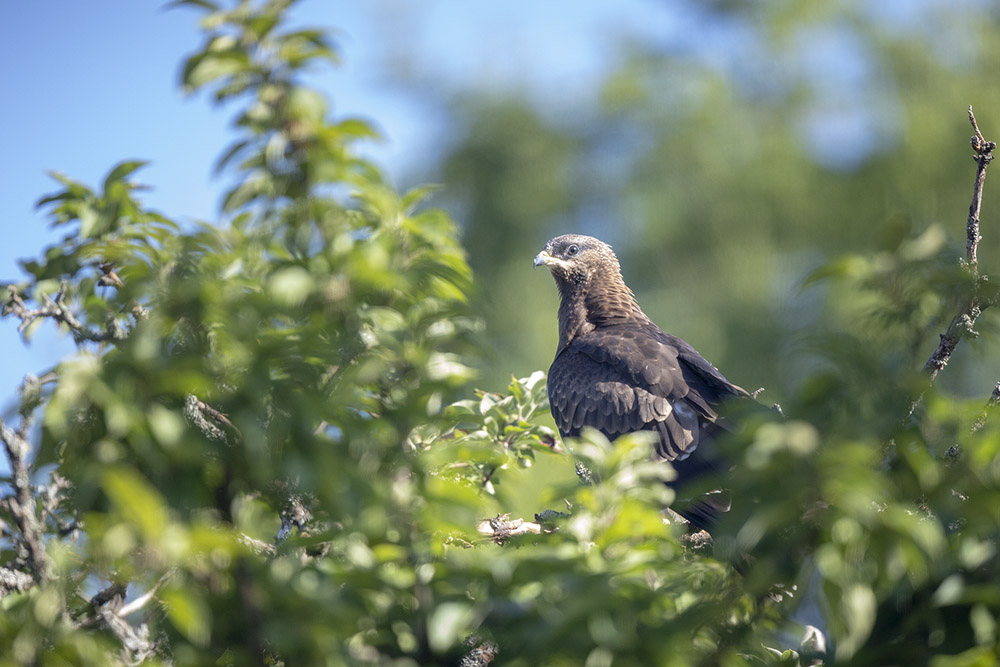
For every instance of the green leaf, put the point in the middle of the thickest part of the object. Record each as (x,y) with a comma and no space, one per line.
(189,613)
(416,195)
(231,153)
(203,68)
(848,266)
(261,25)
(166,425)
(121,171)
(357,128)
(857,607)
(448,624)
(136,500)
(298,48)
(307,105)
(48,199)
(203,4)
(459,410)
(291,286)
(252,188)
(74,191)
(90,222)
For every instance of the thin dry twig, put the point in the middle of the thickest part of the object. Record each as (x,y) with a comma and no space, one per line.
(295,514)
(962,324)
(14,581)
(501,528)
(212,423)
(50,499)
(33,510)
(141,601)
(22,506)
(259,547)
(987,409)
(481,652)
(55,308)
(983,156)
(107,606)
(108,276)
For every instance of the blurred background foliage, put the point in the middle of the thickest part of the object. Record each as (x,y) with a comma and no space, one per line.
(793,205)
(726,171)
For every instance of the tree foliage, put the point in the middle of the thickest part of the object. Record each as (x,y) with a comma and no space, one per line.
(265,449)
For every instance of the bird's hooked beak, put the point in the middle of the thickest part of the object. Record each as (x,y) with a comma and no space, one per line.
(544,259)
(555,264)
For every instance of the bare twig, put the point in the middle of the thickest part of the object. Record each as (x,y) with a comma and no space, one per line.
(501,528)
(259,547)
(50,498)
(55,308)
(113,594)
(295,514)
(208,420)
(31,540)
(141,601)
(137,646)
(136,604)
(987,409)
(481,652)
(963,323)
(14,581)
(983,156)
(108,276)
(108,611)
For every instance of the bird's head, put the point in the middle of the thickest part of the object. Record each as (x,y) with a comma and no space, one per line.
(577,260)
(591,289)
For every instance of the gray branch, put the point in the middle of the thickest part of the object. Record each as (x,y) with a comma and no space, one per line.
(213,424)
(56,309)
(963,323)
(987,409)
(30,539)
(14,581)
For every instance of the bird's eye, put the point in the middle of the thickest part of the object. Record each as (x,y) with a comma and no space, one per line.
(572,250)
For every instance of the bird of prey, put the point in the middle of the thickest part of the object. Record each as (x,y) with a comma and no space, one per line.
(618,372)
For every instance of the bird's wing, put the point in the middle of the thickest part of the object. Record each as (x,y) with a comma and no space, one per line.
(624,379)
(701,372)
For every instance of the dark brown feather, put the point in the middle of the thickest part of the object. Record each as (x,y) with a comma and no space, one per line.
(616,371)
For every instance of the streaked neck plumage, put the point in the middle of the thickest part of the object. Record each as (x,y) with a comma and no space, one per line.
(599,300)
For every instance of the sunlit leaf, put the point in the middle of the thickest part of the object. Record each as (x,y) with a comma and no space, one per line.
(291,285)
(211,65)
(123,170)
(203,4)
(189,613)
(448,624)
(136,500)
